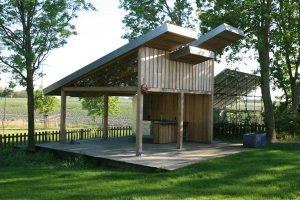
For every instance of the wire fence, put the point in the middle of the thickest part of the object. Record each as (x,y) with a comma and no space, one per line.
(233,129)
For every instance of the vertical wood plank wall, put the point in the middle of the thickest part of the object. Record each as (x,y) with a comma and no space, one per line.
(197,111)
(157,104)
(161,72)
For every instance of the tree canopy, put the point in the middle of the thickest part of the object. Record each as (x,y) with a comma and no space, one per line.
(286,50)
(29,30)
(95,106)
(146,15)
(255,18)
(44,104)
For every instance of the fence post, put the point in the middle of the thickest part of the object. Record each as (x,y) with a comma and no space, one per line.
(81,134)
(98,133)
(17,139)
(24,139)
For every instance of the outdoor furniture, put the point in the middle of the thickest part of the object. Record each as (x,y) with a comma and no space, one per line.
(254,139)
(164,131)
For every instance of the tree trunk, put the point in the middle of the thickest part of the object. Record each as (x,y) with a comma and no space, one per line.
(266,95)
(30,107)
(295,91)
(264,60)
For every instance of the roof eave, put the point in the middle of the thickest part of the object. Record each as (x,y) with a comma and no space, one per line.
(215,32)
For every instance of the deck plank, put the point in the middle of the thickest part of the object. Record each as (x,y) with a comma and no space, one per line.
(159,156)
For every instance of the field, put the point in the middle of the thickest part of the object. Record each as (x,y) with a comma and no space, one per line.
(268,173)
(16,116)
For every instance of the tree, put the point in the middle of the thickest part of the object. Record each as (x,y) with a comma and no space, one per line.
(286,50)
(95,105)
(146,15)
(44,104)
(29,30)
(7,92)
(255,18)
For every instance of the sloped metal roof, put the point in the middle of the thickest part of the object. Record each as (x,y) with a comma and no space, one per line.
(167,37)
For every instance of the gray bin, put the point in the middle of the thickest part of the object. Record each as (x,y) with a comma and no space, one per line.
(254,139)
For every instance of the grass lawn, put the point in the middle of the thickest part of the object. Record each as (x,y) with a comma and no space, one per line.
(268,173)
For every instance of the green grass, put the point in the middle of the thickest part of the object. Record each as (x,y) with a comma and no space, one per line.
(268,173)
(20,105)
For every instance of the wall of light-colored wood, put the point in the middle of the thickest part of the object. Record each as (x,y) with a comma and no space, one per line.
(161,72)
(197,112)
(160,106)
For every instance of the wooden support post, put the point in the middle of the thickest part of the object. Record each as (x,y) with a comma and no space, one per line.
(63,137)
(211,123)
(180,120)
(139,126)
(140,104)
(210,117)
(105,117)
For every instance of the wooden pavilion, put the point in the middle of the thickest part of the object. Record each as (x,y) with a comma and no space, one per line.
(171,73)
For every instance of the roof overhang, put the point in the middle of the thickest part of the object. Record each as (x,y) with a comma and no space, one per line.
(192,55)
(218,38)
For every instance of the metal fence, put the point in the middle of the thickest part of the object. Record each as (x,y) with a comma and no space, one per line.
(233,129)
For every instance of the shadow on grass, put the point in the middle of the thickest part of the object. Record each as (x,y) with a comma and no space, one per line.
(266,173)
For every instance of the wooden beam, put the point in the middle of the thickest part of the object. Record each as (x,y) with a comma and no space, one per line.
(166,90)
(62,136)
(211,124)
(127,89)
(140,104)
(105,116)
(180,120)
(97,94)
(139,122)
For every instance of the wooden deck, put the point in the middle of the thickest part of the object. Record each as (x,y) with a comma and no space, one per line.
(155,156)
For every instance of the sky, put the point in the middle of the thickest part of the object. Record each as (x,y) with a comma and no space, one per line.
(99,33)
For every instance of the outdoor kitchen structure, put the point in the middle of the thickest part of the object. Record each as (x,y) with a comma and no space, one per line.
(170,73)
